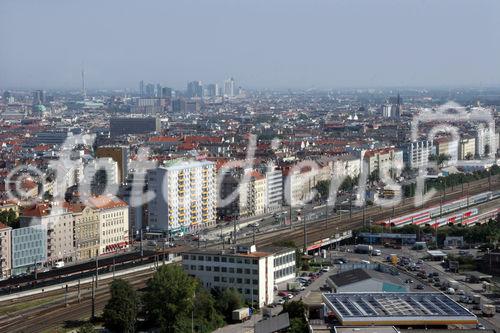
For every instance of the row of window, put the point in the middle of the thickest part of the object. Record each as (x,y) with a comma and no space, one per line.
(237,260)
(284,272)
(226,279)
(284,259)
(231,270)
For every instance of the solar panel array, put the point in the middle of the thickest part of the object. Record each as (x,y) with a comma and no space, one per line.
(394,305)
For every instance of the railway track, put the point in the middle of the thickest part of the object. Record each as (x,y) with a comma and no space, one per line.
(51,316)
(319,229)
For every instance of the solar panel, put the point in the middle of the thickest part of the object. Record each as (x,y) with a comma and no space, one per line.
(395,305)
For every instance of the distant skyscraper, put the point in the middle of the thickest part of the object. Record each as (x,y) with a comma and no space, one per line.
(38,97)
(141,88)
(166,92)
(195,89)
(229,87)
(158,91)
(212,90)
(150,90)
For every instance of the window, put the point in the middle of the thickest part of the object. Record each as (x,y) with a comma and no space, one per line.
(254,272)
(247,261)
(231,270)
(239,280)
(247,270)
(254,281)
(224,259)
(208,268)
(200,258)
(224,279)
(216,268)
(239,270)
(231,260)
(216,259)
(223,269)
(216,279)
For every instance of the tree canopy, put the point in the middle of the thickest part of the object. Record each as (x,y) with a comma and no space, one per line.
(120,313)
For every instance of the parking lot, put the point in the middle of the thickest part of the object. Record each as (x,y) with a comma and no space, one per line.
(431,275)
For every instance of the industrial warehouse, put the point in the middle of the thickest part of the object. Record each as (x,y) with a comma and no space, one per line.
(398,309)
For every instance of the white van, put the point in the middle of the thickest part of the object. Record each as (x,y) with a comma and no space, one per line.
(59,264)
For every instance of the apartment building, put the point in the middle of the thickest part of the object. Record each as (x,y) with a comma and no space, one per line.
(416,154)
(57,220)
(185,196)
(86,232)
(257,193)
(119,154)
(384,160)
(274,189)
(447,146)
(466,148)
(5,250)
(113,222)
(345,165)
(300,182)
(249,271)
(29,248)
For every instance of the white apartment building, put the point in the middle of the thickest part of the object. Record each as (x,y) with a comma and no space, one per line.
(384,160)
(486,142)
(106,164)
(274,190)
(416,154)
(185,196)
(249,271)
(346,165)
(113,222)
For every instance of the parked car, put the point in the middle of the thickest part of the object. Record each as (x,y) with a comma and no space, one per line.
(419,287)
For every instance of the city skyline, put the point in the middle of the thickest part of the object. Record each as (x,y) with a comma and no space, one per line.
(323,45)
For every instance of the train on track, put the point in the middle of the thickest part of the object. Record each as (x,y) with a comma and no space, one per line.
(433,215)
(74,272)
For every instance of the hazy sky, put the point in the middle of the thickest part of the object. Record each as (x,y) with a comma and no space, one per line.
(261,43)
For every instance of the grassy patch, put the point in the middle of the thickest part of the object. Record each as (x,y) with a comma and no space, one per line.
(7,309)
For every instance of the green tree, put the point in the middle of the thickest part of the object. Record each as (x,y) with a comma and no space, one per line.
(298,325)
(206,318)
(227,300)
(374,176)
(86,328)
(296,311)
(120,313)
(9,218)
(323,188)
(169,299)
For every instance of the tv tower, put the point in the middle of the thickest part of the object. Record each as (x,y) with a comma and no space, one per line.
(84,91)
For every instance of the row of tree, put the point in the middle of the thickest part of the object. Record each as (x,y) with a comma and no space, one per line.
(171,302)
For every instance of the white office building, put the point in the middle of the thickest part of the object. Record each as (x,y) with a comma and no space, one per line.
(249,271)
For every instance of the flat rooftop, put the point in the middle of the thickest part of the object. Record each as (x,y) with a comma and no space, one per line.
(422,308)
(373,329)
